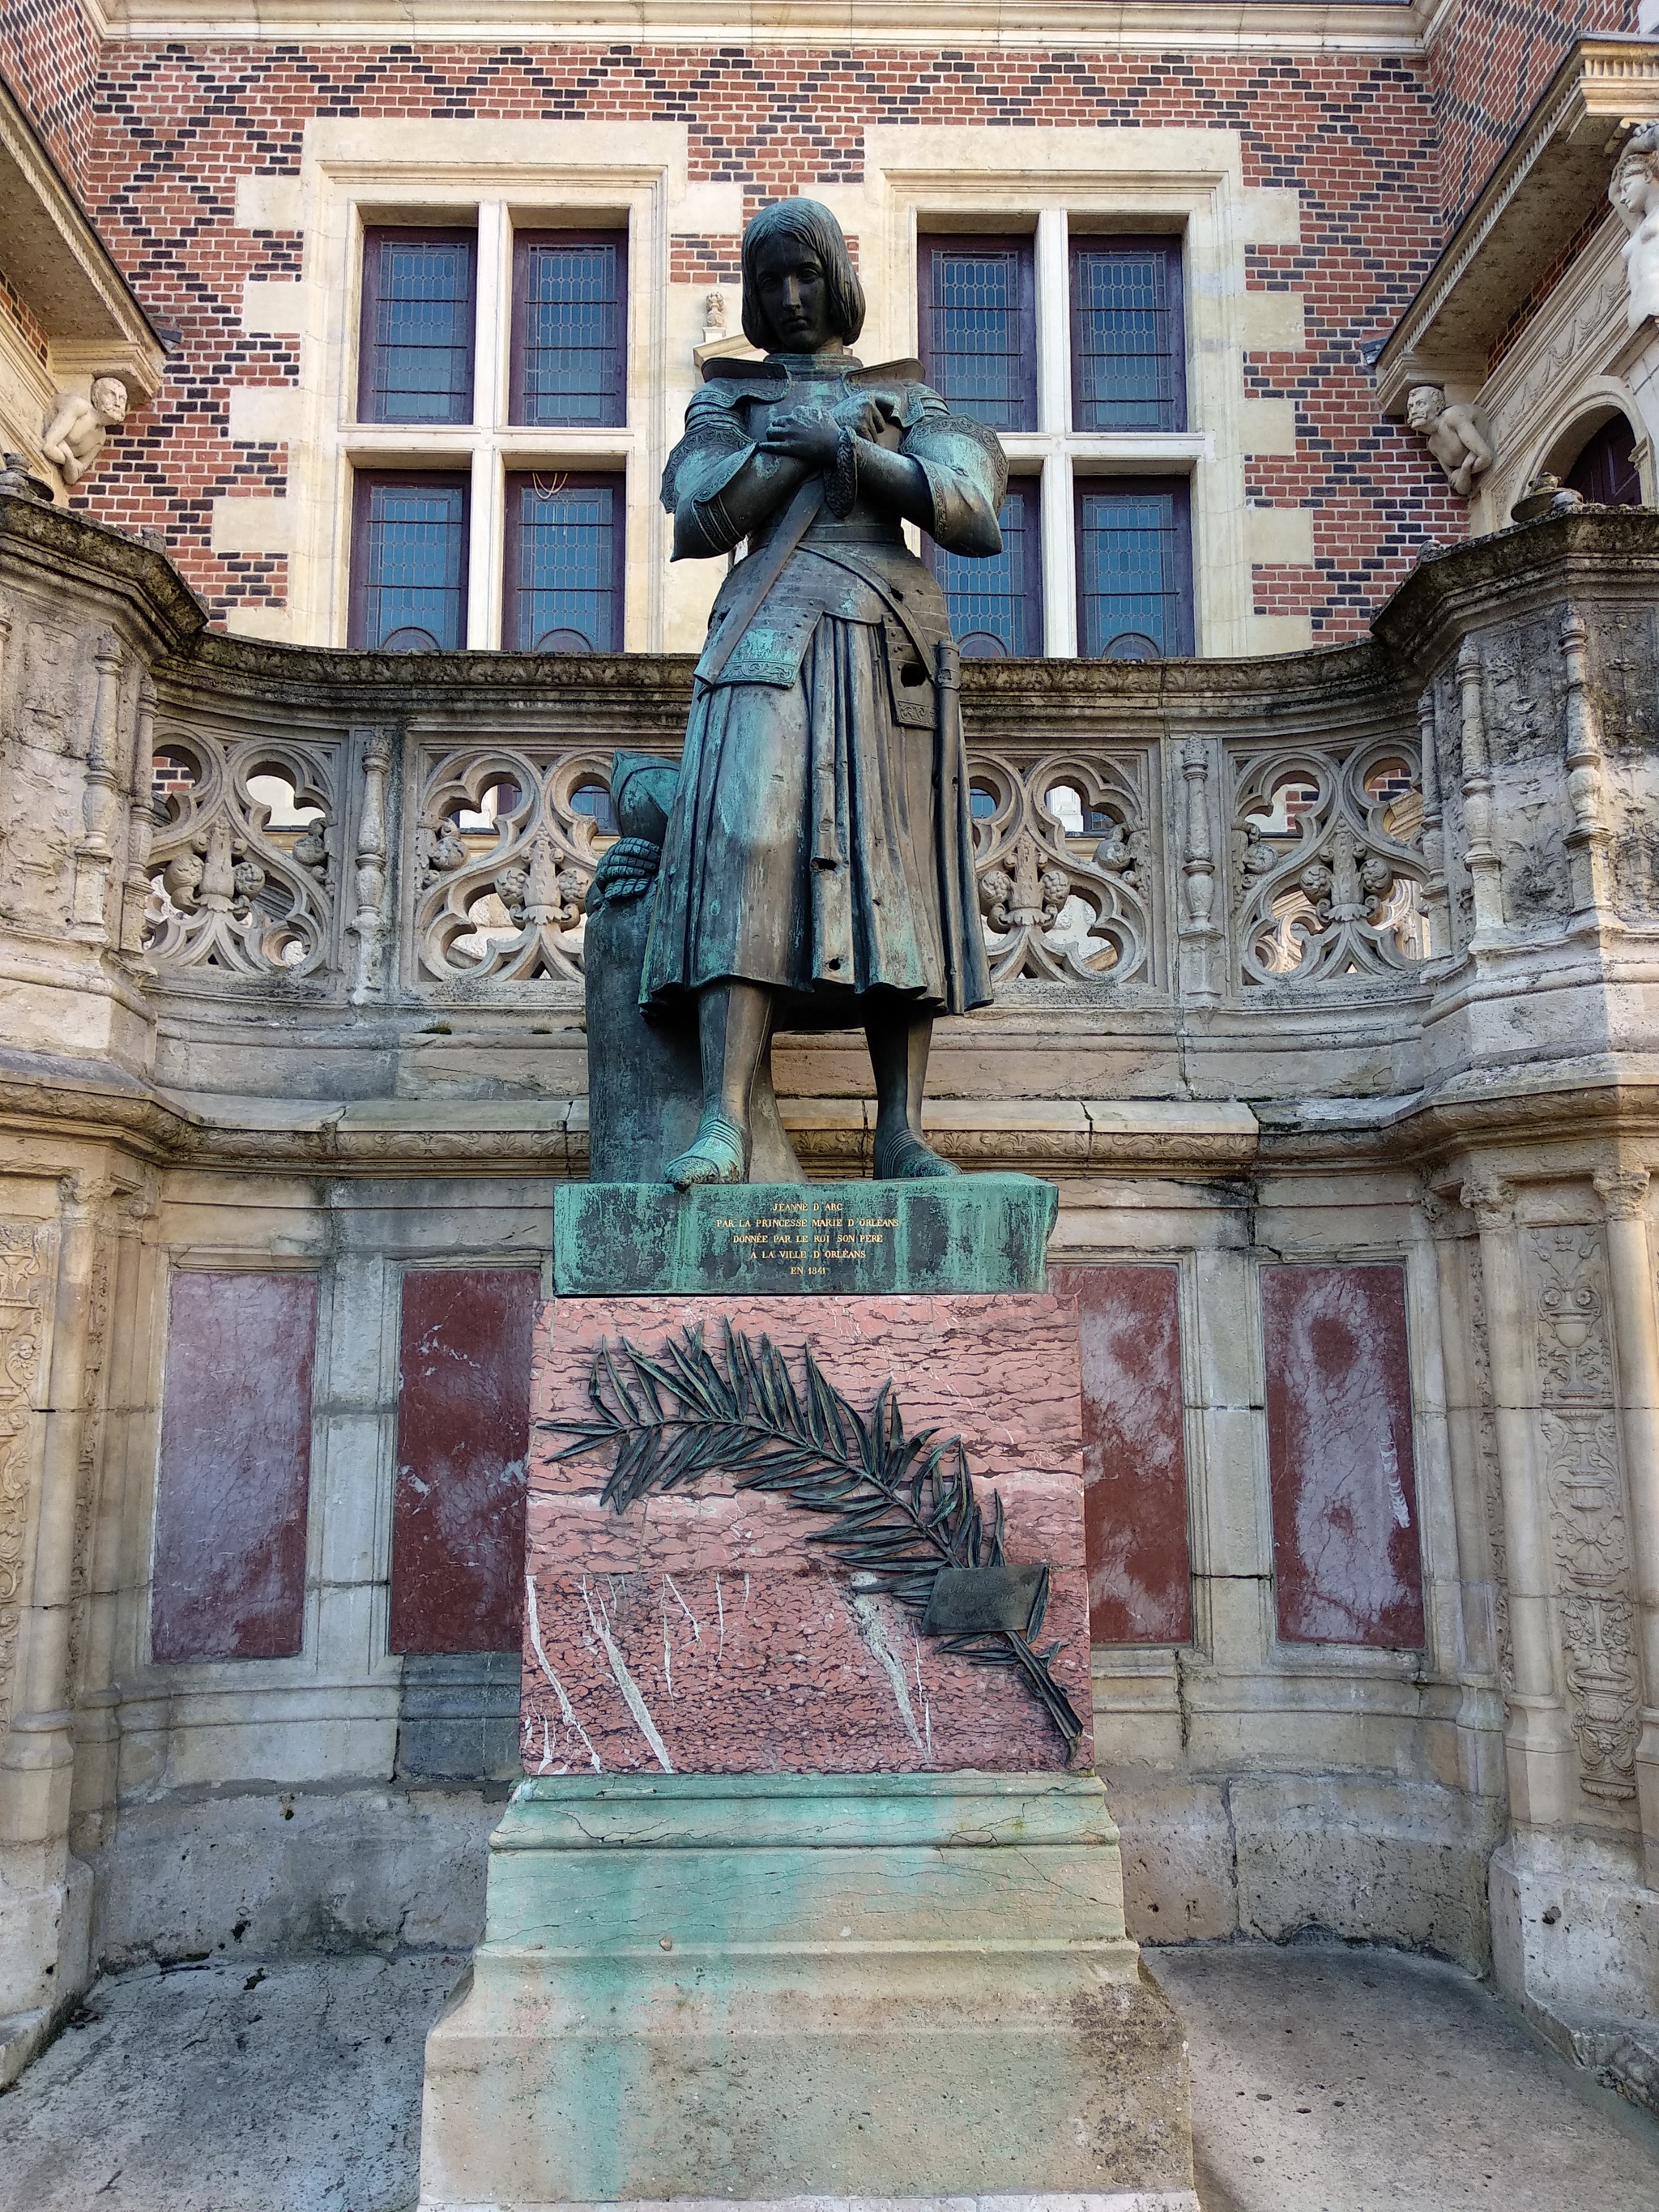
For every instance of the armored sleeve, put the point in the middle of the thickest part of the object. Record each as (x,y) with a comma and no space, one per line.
(966,469)
(714,450)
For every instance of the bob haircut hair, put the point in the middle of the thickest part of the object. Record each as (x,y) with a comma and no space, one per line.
(809,224)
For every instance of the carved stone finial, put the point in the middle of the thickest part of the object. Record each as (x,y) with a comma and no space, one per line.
(1490,1199)
(15,477)
(1545,494)
(1453,433)
(713,317)
(1622,1191)
(73,436)
(1634,192)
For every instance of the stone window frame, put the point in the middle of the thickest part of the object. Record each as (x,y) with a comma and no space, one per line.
(1059,183)
(356,176)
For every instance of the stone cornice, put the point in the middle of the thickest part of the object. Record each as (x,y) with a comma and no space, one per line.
(1176,26)
(65,543)
(1550,179)
(1612,550)
(63,269)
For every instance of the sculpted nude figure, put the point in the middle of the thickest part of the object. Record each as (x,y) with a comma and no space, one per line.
(1452,435)
(1634,192)
(75,436)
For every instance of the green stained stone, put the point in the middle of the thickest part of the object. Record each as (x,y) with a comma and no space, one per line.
(982,1232)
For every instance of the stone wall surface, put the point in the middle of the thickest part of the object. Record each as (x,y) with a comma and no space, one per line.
(1364,984)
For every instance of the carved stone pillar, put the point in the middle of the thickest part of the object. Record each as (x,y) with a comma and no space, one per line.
(1480,1706)
(94,855)
(1636,1338)
(1587,840)
(126,1359)
(1198,930)
(368,923)
(1436,907)
(1538,1742)
(141,823)
(37,1764)
(1485,869)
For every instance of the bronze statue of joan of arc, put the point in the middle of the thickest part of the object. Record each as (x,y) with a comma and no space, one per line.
(818,868)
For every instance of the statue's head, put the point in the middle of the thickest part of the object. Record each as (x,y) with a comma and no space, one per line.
(109,397)
(1634,190)
(801,290)
(1424,404)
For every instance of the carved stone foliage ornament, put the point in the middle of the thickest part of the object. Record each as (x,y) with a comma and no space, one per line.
(26,1248)
(903,1518)
(1060,852)
(505,853)
(244,868)
(1327,865)
(1589,1525)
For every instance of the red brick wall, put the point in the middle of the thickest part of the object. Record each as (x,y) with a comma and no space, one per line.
(1356,136)
(49,59)
(1488,64)
(17,311)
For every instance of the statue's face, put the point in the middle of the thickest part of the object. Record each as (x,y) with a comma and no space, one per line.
(794,297)
(1635,187)
(1423,406)
(109,397)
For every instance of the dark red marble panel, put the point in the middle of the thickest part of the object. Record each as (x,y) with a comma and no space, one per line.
(1346,1557)
(234,1479)
(1135,1452)
(463,1440)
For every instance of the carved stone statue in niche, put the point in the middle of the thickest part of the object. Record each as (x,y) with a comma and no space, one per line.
(1453,434)
(74,437)
(1634,192)
(816,866)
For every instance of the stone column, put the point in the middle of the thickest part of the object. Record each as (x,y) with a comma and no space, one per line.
(1537,1744)
(1481,1708)
(1198,928)
(97,1715)
(38,1969)
(1485,869)
(1587,840)
(1630,1265)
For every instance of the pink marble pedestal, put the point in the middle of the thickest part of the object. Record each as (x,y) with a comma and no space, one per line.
(703,1631)
(797,1910)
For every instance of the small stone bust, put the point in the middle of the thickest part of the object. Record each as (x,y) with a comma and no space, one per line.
(1634,192)
(1452,434)
(74,437)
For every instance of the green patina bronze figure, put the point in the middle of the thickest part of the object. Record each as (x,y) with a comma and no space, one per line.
(816,868)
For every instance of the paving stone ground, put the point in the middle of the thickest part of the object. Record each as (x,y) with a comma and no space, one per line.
(1325,2079)
(1336,2078)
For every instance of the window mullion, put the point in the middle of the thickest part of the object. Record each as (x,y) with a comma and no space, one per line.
(1059,583)
(495,314)
(1053,332)
(486,551)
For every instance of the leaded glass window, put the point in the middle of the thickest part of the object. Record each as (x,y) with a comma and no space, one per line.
(409,563)
(1135,568)
(979,327)
(564,563)
(996,606)
(568,328)
(1127,345)
(417,363)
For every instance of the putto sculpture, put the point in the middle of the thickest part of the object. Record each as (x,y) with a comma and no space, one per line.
(1452,434)
(816,866)
(74,437)
(1634,192)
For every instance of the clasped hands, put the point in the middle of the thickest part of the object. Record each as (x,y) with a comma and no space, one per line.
(810,433)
